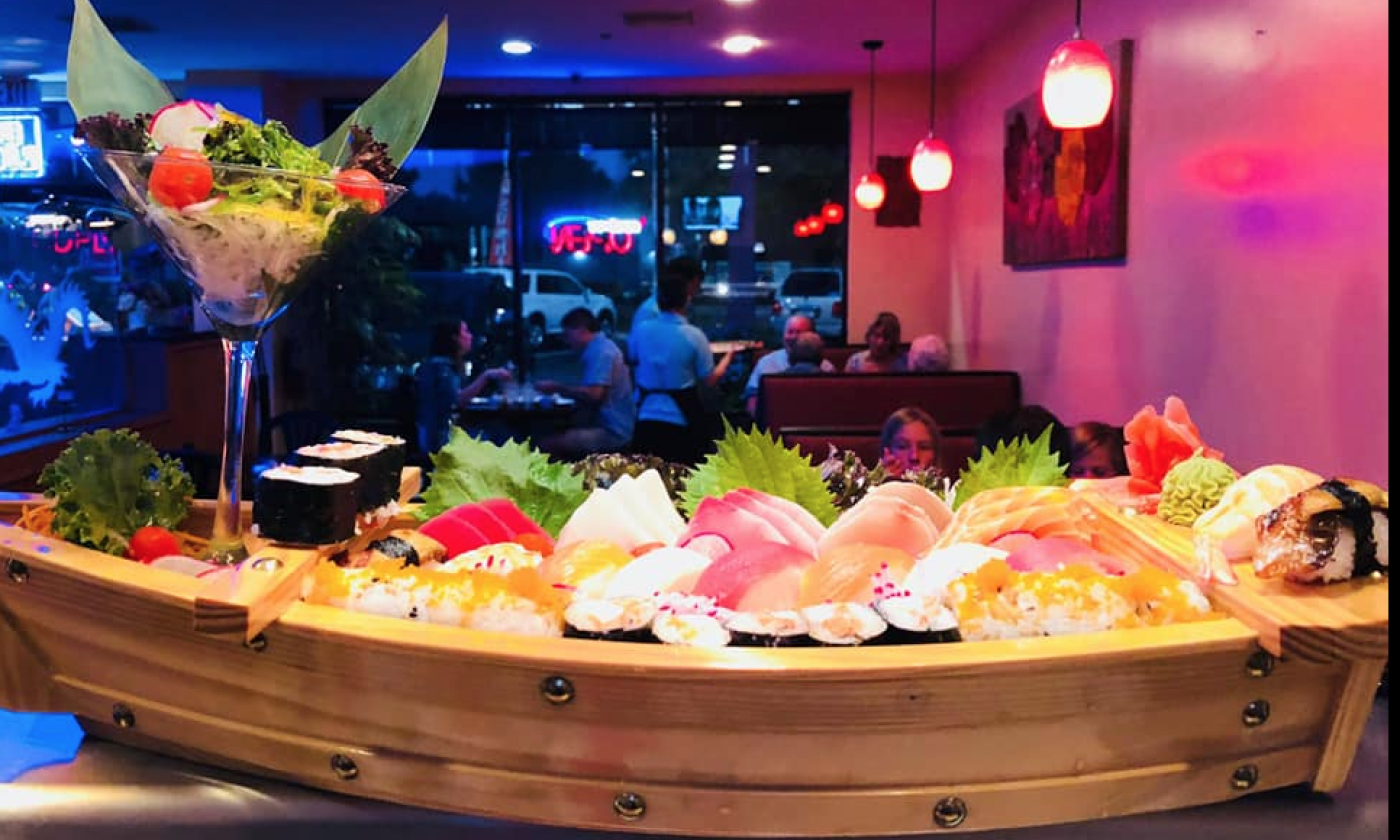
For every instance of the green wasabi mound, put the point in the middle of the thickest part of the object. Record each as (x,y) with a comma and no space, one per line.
(1193,487)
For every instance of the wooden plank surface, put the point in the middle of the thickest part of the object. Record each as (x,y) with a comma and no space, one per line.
(1335,622)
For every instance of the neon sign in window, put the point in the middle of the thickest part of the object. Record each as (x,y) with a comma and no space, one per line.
(585,234)
(21,145)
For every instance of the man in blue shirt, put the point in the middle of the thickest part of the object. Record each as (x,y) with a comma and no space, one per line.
(672,359)
(604,392)
(780,360)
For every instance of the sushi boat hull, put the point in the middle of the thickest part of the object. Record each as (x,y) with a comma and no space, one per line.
(885,740)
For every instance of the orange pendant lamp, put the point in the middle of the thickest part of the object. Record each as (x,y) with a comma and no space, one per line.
(870,191)
(931,166)
(1078,86)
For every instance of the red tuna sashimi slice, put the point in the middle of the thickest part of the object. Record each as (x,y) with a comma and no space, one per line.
(762,505)
(482,519)
(1054,553)
(515,519)
(741,528)
(729,579)
(797,513)
(457,535)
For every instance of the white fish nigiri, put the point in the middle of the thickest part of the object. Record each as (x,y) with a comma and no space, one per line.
(662,570)
(1226,533)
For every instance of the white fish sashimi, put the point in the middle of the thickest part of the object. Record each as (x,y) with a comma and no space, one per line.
(882,520)
(925,499)
(935,571)
(660,571)
(668,520)
(603,517)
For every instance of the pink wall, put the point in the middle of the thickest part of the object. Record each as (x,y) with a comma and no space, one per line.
(1256,283)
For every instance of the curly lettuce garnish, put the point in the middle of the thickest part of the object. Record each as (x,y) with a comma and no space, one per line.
(1017,463)
(759,461)
(114,132)
(108,483)
(468,469)
(369,154)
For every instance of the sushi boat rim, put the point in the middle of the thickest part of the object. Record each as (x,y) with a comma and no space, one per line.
(529,729)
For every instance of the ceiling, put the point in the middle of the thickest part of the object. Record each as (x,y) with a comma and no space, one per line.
(590,38)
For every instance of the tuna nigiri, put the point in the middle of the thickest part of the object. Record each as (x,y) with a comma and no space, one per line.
(759,578)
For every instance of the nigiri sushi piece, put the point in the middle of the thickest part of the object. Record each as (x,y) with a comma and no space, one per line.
(921,497)
(759,578)
(1038,511)
(855,572)
(885,520)
(1336,530)
(936,570)
(1225,533)
(668,569)
(585,568)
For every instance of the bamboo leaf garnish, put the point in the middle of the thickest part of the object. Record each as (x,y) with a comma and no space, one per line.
(103,76)
(399,110)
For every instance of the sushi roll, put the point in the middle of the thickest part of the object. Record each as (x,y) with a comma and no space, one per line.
(406,545)
(779,628)
(365,459)
(610,619)
(918,619)
(1336,530)
(693,630)
(306,505)
(393,458)
(843,624)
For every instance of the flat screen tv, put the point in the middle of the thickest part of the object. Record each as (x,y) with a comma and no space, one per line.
(709,212)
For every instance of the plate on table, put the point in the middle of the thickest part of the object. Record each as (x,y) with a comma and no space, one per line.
(718,347)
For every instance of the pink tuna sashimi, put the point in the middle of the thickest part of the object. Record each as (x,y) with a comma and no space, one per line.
(1051,554)
(921,497)
(457,535)
(794,533)
(797,513)
(882,520)
(730,578)
(713,546)
(482,520)
(516,520)
(741,528)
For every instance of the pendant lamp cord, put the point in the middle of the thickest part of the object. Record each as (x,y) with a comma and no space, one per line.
(1078,14)
(873,47)
(933,61)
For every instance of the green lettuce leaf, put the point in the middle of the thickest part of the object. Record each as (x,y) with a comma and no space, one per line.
(1018,463)
(468,469)
(109,483)
(759,461)
(102,75)
(399,110)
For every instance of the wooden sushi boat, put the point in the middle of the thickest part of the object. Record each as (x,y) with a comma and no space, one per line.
(234,670)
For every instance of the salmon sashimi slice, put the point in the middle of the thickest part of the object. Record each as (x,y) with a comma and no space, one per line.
(1039,511)
(881,520)
(855,572)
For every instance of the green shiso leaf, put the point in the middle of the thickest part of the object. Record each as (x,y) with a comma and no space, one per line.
(1018,463)
(102,75)
(758,461)
(399,110)
(468,469)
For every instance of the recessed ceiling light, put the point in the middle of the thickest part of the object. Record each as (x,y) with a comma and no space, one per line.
(515,46)
(733,103)
(639,173)
(729,147)
(763,169)
(727,156)
(725,165)
(740,44)
(738,2)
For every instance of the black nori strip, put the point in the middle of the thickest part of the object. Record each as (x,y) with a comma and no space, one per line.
(370,467)
(389,463)
(904,633)
(397,548)
(738,638)
(1357,509)
(301,513)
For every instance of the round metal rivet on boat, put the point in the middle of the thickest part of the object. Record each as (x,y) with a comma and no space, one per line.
(949,812)
(630,806)
(1260,664)
(17,571)
(257,643)
(267,564)
(345,767)
(557,690)
(123,716)
(1255,713)
(1245,777)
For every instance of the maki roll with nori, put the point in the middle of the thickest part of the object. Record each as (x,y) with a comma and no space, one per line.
(410,547)
(306,505)
(778,628)
(365,459)
(843,624)
(394,456)
(689,630)
(918,619)
(610,619)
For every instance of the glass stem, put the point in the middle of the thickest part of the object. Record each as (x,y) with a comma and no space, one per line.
(226,544)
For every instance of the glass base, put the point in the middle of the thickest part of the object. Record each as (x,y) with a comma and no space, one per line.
(225,553)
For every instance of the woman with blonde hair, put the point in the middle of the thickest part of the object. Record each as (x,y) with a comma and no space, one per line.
(910,440)
(882,342)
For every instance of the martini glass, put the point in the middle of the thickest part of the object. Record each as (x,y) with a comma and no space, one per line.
(246,252)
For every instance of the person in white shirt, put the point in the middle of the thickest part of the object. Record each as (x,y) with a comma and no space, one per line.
(779,360)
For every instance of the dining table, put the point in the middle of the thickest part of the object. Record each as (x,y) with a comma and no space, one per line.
(520,415)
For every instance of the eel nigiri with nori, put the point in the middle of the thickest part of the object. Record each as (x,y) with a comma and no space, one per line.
(1336,530)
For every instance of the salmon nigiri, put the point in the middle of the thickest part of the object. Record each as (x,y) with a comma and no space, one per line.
(1226,533)
(854,572)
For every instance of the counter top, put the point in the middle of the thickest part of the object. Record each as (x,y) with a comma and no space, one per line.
(110,790)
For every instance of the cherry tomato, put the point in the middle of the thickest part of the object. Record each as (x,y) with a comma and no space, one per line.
(361,185)
(151,542)
(180,177)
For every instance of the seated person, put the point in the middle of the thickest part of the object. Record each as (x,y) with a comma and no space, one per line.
(882,342)
(672,359)
(604,392)
(690,268)
(1098,451)
(780,360)
(438,388)
(910,440)
(1030,421)
(806,354)
(929,354)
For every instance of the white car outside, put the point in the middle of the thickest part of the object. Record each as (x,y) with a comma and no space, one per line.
(549,295)
(817,293)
